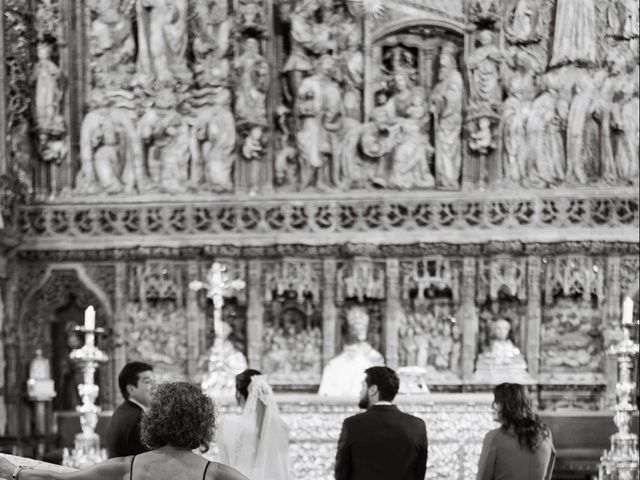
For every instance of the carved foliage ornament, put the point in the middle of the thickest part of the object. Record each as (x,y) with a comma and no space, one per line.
(361,278)
(574,276)
(502,275)
(300,276)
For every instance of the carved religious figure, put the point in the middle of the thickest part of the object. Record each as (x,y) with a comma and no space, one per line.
(484,66)
(111,43)
(574,35)
(446,106)
(165,136)
(409,159)
(521,90)
(343,375)
(252,71)
(481,138)
(351,63)
(583,147)
(213,138)
(110,150)
(544,132)
(162,42)
(48,91)
(320,109)
(211,27)
(310,37)
(623,19)
(524,23)
(502,361)
(626,123)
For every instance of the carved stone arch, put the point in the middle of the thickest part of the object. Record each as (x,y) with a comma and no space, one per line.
(37,311)
(406,23)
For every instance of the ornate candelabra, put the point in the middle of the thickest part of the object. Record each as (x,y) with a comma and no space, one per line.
(222,364)
(621,461)
(87,443)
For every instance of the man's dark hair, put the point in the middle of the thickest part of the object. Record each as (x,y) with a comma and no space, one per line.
(386,379)
(129,375)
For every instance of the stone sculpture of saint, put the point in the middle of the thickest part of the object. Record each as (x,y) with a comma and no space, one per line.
(167,145)
(628,139)
(446,106)
(583,146)
(516,110)
(320,109)
(409,160)
(213,139)
(162,42)
(484,65)
(211,29)
(111,44)
(574,35)
(343,375)
(502,361)
(523,27)
(48,90)
(109,150)
(544,130)
(252,71)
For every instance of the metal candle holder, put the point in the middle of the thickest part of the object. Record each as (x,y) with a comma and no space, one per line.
(621,461)
(87,443)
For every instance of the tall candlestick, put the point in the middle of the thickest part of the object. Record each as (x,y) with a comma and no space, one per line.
(90,318)
(627,311)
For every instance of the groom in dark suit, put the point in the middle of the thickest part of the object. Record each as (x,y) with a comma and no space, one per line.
(382,443)
(137,385)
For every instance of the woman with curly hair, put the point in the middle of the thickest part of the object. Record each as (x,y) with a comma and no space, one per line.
(181,419)
(521,449)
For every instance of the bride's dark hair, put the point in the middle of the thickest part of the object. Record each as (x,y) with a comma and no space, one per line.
(243,380)
(515,412)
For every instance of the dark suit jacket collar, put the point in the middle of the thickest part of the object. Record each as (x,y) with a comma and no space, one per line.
(132,405)
(382,408)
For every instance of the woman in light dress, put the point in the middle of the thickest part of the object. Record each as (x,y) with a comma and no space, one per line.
(256,443)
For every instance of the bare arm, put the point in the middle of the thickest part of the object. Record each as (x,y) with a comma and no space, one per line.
(113,469)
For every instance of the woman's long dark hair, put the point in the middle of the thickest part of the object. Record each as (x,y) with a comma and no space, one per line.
(515,412)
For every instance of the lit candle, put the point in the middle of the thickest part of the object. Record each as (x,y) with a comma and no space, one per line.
(90,318)
(627,311)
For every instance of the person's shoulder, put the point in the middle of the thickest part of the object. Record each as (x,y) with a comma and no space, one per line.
(224,472)
(412,419)
(494,434)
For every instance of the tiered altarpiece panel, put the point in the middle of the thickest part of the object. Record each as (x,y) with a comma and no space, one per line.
(442,164)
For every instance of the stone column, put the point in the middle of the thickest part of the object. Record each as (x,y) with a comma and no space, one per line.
(3,97)
(468,316)
(390,325)
(329,315)
(119,325)
(255,313)
(612,318)
(534,315)
(195,322)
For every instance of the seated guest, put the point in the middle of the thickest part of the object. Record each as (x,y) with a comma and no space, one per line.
(137,386)
(382,443)
(180,419)
(521,449)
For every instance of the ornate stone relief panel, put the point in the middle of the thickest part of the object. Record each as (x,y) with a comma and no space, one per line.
(253,96)
(292,337)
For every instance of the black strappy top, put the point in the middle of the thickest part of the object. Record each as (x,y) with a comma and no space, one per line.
(204,475)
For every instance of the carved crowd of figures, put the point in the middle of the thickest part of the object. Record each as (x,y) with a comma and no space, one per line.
(204,95)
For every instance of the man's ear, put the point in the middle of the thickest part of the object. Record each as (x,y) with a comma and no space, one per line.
(129,387)
(373,389)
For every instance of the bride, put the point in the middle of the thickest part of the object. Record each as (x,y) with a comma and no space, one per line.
(257,442)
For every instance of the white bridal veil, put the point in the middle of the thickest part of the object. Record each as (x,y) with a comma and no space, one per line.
(258,445)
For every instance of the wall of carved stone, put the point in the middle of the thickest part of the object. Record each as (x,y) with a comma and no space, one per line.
(133,97)
(429,161)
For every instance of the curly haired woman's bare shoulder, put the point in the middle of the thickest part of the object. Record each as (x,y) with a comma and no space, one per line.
(224,472)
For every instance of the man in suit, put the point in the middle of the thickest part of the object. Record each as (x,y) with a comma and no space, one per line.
(382,443)
(137,386)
